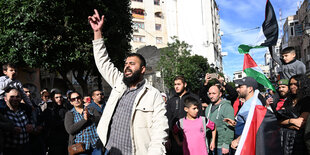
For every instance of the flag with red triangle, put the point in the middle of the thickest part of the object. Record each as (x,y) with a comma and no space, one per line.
(252,70)
(261,132)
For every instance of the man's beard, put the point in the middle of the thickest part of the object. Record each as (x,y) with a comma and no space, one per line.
(181,92)
(283,94)
(133,79)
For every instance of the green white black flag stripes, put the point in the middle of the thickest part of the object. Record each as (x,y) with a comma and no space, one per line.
(252,70)
(268,35)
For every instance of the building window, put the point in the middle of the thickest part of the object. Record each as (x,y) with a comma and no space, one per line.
(138,13)
(156,2)
(138,0)
(292,31)
(137,38)
(159,40)
(158,14)
(139,25)
(158,27)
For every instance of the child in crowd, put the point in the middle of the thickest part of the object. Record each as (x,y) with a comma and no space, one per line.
(8,80)
(290,66)
(194,130)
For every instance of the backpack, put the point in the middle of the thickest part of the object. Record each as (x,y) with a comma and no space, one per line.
(204,123)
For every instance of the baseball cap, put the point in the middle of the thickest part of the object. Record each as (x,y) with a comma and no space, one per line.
(248,81)
(283,82)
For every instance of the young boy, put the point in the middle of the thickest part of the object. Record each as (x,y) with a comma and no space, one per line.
(289,65)
(9,70)
(194,131)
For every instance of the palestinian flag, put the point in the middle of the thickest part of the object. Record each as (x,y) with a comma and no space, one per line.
(268,35)
(261,134)
(252,70)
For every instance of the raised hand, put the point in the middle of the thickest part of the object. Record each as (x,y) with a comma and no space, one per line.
(95,21)
(207,78)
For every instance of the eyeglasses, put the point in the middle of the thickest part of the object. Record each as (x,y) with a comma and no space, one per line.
(76,98)
(46,96)
(27,91)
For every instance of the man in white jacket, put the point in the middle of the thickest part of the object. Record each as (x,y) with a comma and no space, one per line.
(134,120)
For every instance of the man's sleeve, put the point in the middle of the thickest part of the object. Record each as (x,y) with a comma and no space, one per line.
(233,94)
(203,94)
(106,68)
(159,130)
(6,124)
(228,133)
(169,114)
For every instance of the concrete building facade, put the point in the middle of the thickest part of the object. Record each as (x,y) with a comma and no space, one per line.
(195,22)
(304,29)
(198,24)
(291,37)
(149,24)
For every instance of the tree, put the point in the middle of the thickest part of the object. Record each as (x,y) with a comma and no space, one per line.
(176,60)
(55,35)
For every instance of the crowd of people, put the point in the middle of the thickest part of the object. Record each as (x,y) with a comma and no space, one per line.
(47,125)
(138,119)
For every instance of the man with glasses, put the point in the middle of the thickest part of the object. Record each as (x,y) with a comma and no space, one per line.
(134,120)
(97,100)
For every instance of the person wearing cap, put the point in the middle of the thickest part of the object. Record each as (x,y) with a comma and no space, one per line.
(246,90)
(281,96)
(289,64)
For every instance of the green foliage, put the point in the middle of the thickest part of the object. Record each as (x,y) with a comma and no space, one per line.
(177,60)
(51,33)
(55,35)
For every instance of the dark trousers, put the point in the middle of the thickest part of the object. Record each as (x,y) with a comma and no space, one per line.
(20,150)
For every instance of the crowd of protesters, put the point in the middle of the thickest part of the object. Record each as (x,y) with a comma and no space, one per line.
(138,119)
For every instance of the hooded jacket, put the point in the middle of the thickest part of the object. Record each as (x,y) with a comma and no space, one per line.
(175,107)
(225,133)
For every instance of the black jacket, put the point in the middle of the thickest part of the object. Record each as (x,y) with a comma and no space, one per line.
(54,121)
(175,107)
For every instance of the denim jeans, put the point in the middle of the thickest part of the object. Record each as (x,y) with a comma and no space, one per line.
(92,152)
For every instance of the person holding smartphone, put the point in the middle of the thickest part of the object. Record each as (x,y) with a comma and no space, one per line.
(81,123)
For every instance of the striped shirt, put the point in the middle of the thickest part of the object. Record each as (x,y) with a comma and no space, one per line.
(88,135)
(119,141)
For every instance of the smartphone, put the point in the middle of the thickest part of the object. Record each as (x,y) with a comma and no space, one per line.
(213,75)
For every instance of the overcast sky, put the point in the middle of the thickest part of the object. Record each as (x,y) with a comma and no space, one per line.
(240,15)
